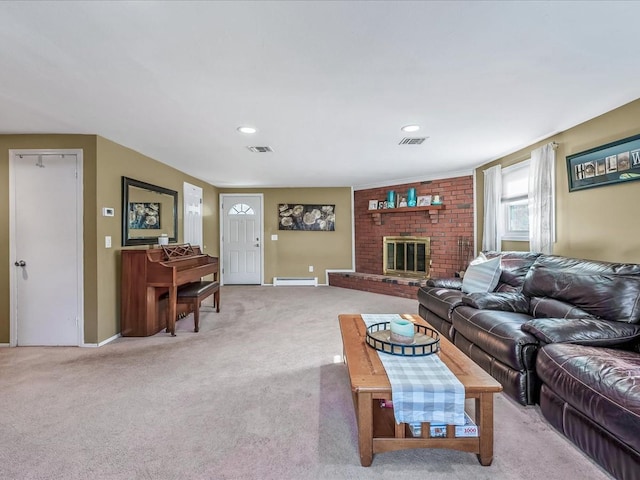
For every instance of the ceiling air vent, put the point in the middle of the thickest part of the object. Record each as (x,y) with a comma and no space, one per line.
(412,141)
(260,149)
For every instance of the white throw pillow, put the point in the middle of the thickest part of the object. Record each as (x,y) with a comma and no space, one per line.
(482,276)
(481,258)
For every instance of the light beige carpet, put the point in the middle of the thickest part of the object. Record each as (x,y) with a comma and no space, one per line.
(254,395)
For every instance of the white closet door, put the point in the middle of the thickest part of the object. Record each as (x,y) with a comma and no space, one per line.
(193,215)
(47,249)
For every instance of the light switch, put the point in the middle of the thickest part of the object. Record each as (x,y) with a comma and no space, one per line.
(107,242)
(274,237)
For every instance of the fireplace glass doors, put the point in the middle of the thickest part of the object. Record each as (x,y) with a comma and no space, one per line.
(407,256)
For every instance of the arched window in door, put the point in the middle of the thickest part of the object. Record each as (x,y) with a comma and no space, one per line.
(241,209)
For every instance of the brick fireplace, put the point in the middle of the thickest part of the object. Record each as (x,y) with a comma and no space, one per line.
(449,228)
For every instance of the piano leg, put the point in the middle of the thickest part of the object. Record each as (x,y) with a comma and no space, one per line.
(171,318)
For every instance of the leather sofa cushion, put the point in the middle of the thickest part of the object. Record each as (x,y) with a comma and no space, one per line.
(605,290)
(583,331)
(439,300)
(600,383)
(552,308)
(496,333)
(514,266)
(504,301)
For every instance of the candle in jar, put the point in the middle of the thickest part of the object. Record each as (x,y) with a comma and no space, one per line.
(402,330)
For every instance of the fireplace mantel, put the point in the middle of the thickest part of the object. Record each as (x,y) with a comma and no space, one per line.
(431,210)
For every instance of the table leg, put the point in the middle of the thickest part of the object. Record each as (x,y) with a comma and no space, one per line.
(484,419)
(365,428)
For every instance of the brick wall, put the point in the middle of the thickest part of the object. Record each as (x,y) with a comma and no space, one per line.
(455,220)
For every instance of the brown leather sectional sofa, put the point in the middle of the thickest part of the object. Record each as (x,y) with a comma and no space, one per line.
(561,332)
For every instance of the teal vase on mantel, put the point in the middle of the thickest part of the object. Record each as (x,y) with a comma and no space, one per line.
(391,199)
(411,197)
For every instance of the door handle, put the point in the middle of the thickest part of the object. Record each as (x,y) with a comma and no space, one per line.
(257,245)
(21,263)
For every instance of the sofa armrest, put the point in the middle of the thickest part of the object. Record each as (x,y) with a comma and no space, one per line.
(582,331)
(454,283)
(502,301)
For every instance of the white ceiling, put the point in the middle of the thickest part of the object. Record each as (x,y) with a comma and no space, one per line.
(327,84)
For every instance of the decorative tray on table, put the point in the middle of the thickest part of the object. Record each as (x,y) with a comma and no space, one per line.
(425,341)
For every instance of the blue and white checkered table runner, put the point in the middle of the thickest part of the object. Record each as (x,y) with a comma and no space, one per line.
(423,389)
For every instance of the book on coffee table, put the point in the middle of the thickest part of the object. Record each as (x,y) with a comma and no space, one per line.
(469,429)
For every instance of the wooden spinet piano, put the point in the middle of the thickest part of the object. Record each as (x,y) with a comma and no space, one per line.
(148,276)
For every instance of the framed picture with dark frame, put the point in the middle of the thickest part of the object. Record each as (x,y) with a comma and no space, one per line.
(148,212)
(614,162)
(300,216)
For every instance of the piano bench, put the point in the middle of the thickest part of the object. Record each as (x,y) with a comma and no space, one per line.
(193,293)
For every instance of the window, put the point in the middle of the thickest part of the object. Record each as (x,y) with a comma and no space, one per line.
(241,209)
(515,202)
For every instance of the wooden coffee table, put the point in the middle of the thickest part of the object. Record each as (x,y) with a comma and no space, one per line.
(377,430)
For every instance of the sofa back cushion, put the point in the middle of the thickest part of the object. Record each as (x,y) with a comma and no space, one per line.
(602,289)
(546,307)
(515,266)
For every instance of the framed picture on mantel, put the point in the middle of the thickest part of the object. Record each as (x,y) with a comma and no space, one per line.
(424,201)
(614,162)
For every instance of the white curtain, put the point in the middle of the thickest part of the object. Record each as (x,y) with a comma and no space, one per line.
(492,195)
(541,199)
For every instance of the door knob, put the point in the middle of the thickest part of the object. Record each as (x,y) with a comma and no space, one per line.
(257,244)
(21,263)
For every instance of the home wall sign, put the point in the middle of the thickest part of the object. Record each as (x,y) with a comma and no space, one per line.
(614,162)
(298,216)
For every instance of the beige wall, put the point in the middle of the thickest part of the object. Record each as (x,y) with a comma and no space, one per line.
(114,162)
(105,163)
(294,251)
(596,223)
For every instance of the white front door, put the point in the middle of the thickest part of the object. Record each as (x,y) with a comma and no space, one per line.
(46,248)
(241,233)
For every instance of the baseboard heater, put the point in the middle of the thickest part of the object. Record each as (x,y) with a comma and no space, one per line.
(295,281)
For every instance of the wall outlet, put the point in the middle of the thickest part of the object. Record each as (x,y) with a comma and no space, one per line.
(108,212)
(311,268)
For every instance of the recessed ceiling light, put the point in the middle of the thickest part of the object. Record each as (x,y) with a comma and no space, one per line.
(247,130)
(410,128)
